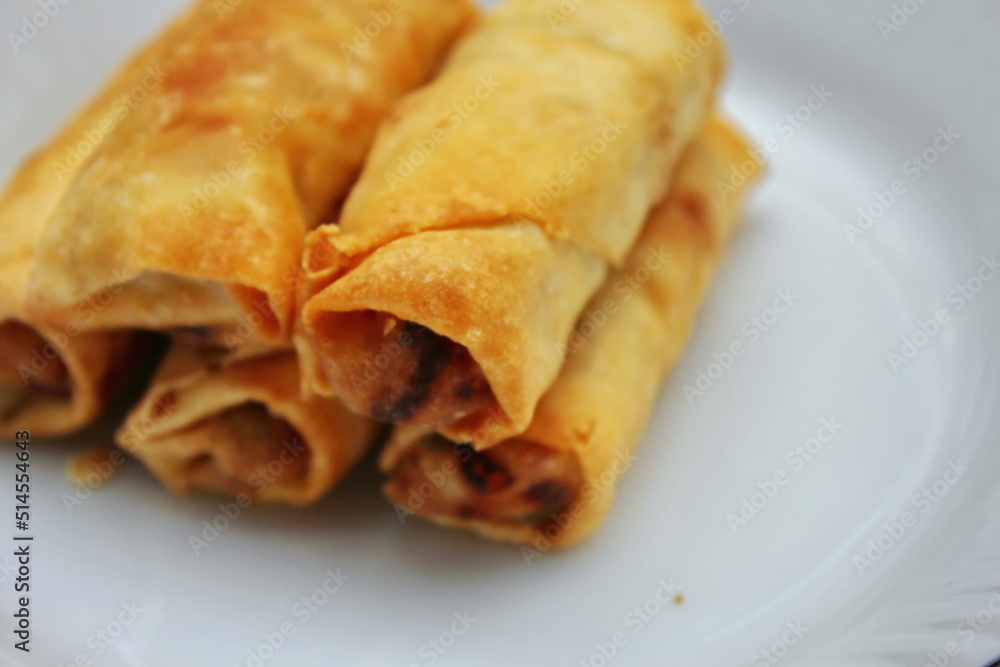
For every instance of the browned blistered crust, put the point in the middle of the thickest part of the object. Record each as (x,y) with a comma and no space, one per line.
(586,428)
(494,223)
(253,122)
(214,422)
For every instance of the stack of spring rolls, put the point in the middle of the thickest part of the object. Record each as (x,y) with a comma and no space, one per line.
(206,160)
(503,263)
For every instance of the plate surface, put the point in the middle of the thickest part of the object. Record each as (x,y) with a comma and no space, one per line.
(828,497)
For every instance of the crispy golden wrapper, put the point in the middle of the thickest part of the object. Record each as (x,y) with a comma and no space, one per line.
(553,484)
(220,146)
(492,207)
(214,422)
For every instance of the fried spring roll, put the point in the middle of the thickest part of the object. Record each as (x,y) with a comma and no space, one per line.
(52,384)
(54,380)
(219,148)
(492,207)
(553,484)
(210,422)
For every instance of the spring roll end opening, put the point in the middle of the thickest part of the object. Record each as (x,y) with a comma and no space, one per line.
(247,449)
(32,371)
(397,370)
(520,483)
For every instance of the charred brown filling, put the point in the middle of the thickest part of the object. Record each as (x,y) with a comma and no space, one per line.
(516,481)
(247,449)
(402,372)
(30,368)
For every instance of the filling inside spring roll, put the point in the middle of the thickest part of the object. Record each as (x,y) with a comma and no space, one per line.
(20,350)
(493,225)
(52,384)
(451,329)
(239,442)
(214,421)
(419,373)
(516,481)
(552,484)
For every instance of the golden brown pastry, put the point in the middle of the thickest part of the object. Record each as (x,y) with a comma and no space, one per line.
(52,384)
(210,422)
(553,484)
(493,205)
(243,129)
(53,379)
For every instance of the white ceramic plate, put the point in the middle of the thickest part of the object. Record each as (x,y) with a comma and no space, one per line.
(849,562)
